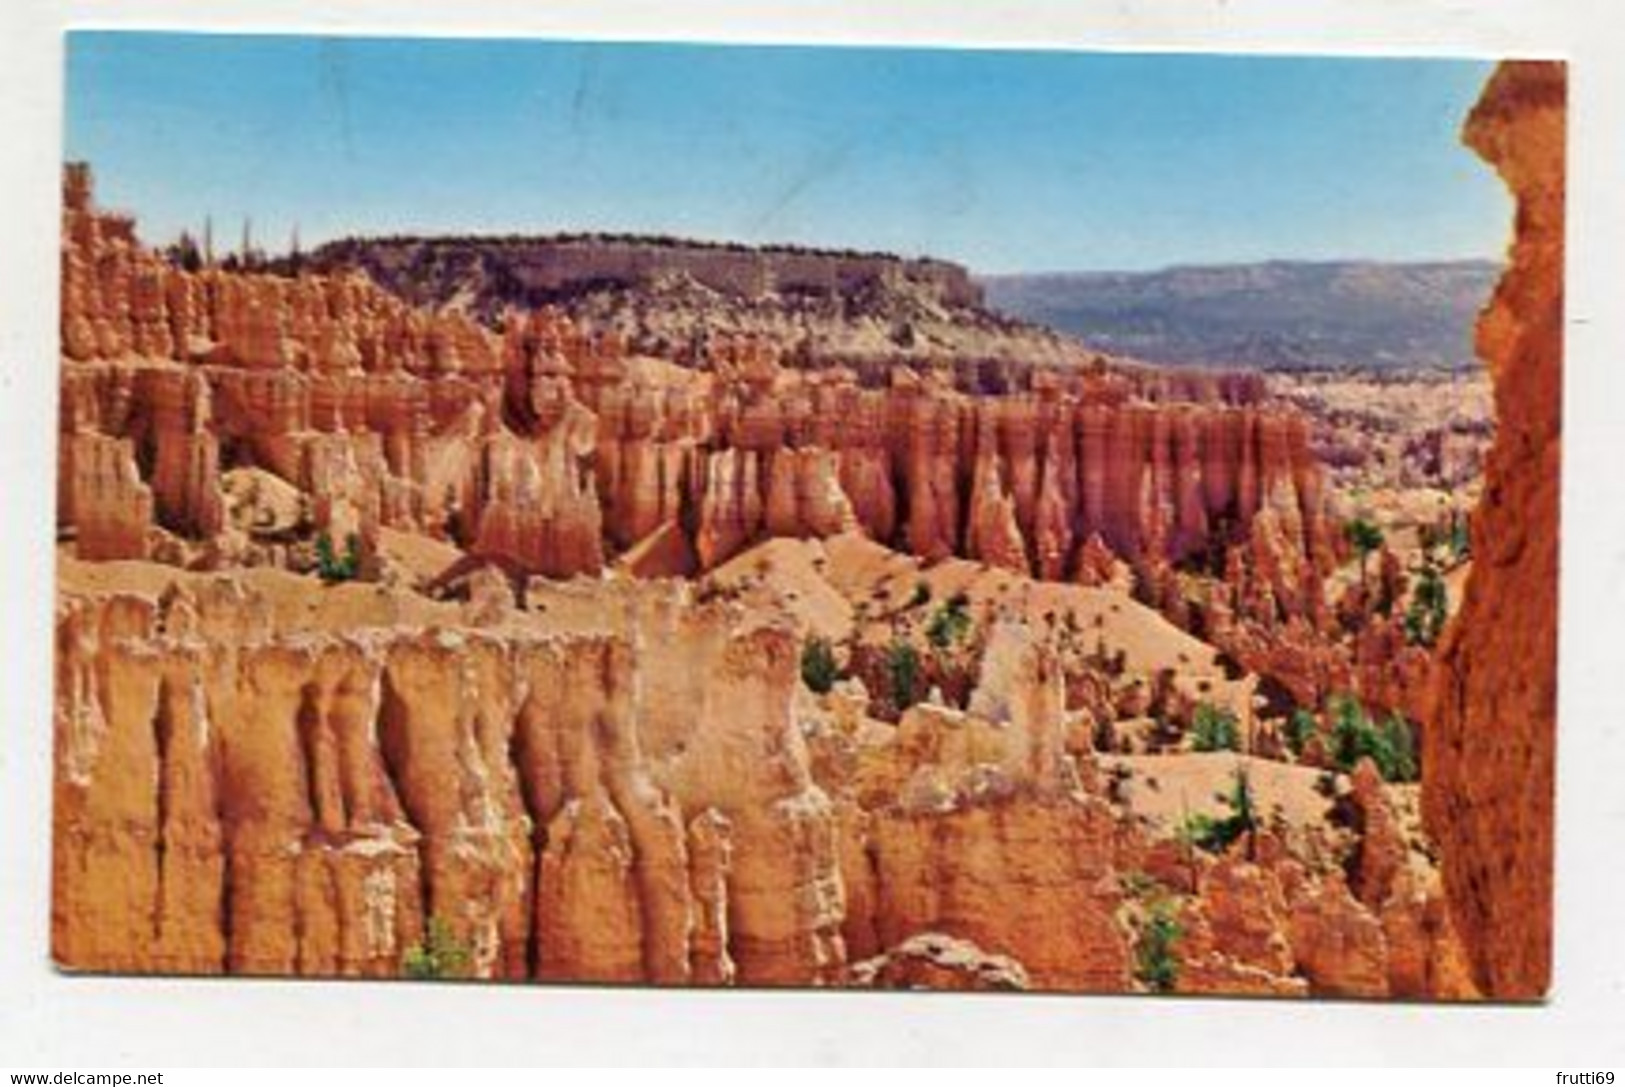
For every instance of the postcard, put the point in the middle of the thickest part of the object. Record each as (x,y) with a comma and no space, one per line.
(713,515)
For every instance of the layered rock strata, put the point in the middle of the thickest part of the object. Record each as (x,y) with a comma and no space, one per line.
(554,451)
(626,806)
(625,784)
(512,270)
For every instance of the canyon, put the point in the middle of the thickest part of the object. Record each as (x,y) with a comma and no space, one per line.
(596,650)
(556,451)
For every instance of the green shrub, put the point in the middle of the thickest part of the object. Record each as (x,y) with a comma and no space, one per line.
(1391,746)
(1460,538)
(439,955)
(902,674)
(1399,744)
(1216,834)
(818,668)
(1214,729)
(1200,831)
(330,567)
(1300,729)
(922,595)
(1430,607)
(1365,538)
(950,622)
(1353,734)
(1243,813)
(1156,955)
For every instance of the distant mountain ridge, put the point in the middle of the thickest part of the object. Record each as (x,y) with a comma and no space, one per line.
(1272,315)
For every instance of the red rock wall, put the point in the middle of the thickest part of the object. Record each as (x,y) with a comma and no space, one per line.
(648,798)
(231,799)
(636,805)
(1489,743)
(552,450)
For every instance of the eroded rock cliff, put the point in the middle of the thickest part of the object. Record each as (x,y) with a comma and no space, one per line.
(628,782)
(1491,736)
(619,802)
(552,450)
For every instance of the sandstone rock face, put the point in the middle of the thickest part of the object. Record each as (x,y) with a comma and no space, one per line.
(632,801)
(1489,744)
(1342,947)
(1031,879)
(626,781)
(551,451)
(233,796)
(102,495)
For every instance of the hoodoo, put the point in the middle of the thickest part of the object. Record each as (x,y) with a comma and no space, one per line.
(553,450)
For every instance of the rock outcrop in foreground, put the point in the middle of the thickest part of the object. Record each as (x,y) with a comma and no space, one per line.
(1491,739)
(624,782)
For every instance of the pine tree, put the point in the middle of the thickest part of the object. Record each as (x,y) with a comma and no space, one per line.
(1365,538)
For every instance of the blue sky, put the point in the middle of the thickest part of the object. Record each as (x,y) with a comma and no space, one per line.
(1007,161)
